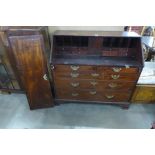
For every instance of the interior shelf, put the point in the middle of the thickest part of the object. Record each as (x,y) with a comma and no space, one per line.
(97,50)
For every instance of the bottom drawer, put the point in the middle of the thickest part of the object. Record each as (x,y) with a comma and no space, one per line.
(93,95)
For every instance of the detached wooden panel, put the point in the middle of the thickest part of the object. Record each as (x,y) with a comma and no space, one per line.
(28,53)
(144,94)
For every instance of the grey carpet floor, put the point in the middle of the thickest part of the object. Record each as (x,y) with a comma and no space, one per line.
(15,113)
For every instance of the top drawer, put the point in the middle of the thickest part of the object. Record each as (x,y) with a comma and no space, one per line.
(98,69)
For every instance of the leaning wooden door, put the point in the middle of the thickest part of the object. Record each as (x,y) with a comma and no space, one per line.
(29,57)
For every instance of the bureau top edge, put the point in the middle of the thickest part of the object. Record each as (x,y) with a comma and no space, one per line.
(96,33)
(99,63)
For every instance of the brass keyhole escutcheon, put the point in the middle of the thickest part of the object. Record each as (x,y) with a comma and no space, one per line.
(45,77)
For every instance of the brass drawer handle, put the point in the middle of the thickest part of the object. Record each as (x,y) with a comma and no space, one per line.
(75,84)
(115,76)
(93,83)
(94,74)
(74,75)
(45,77)
(93,92)
(109,96)
(74,68)
(52,67)
(116,69)
(112,85)
(75,94)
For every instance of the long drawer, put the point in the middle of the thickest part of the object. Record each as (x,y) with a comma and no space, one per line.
(98,69)
(91,84)
(93,95)
(98,76)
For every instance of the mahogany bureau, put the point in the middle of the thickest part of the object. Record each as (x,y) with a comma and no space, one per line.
(95,67)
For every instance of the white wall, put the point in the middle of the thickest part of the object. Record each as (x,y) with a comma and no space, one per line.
(95,28)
